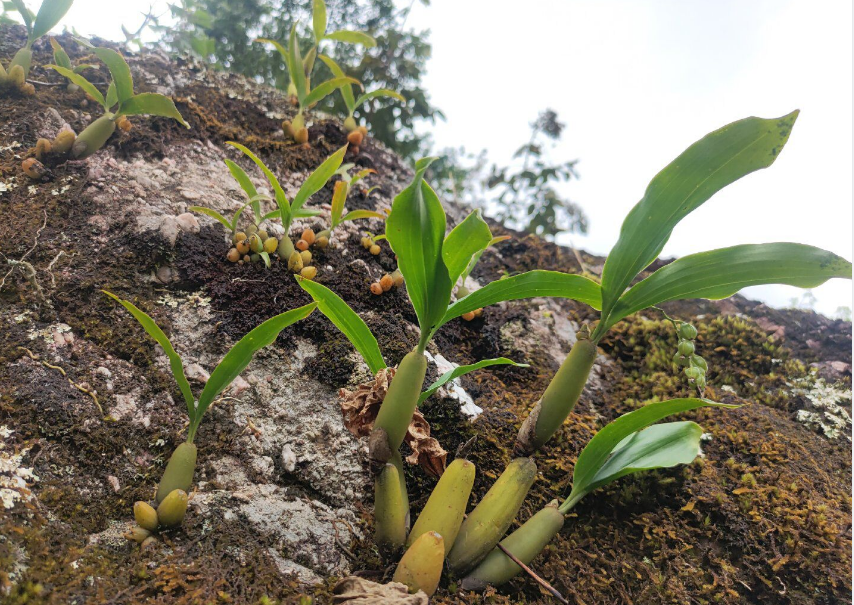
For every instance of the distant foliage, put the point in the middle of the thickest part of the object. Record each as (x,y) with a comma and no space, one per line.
(221,32)
(526,194)
(523,194)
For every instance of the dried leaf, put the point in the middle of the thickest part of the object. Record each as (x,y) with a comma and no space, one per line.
(360,409)
(359,591)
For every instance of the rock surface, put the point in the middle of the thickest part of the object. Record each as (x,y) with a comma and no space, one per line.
(89,412)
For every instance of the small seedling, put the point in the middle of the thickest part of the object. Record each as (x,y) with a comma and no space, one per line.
(171,497)
(299,69)
(339,198)
(61,58)
(50,13)
(119,102)
(286,211)
(356,133)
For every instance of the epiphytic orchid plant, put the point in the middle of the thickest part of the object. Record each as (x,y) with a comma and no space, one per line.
(431,263)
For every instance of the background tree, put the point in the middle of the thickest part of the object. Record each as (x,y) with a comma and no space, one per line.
(221,32)
(523,194)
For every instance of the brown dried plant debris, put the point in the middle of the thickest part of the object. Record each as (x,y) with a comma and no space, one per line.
(360,409)
(353,590)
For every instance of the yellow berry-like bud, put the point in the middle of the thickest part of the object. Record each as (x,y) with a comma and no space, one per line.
(289,130)
(123,124)
(270,245)
(375,249)
(238,237)
(63,141)
(251,230)
(256,244)
(171,511)
(233,255)
(468,316)
(376,288)
(43,147)
(33,168)
(308,236)
(386,282)
(355,138)
(350,124)
(363,130)
(242,246)
(306,256)
(301,136)
(145,515)
(295,263)
(138,535)
(478,312)
(262,233)
(309,272)
(302,245)
(397,277)
(322,242)
(17,76)
(367,242)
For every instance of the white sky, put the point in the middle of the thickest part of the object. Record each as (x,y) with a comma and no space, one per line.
(636,82)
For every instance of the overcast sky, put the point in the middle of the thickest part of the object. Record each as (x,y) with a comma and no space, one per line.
(636,82)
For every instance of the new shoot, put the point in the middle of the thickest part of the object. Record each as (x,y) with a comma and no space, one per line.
(171,496)
(15,75)
(254,243)
(119,102)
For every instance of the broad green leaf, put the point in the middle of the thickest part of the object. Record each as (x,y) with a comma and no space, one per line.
(325,89)
(60,57)
(351,37)
(465,240)
(715,161)
(50,13)
(152,104)
(175,362)
(281,200)
(236,360)
(721,273)
(263,254)
(112,97)
(120,71)
(82,82)
(317,179)
(658,446)
(295,64)
(346,91)
(415,230)
(474,259)
(599,448)
(532,284)
(382,92)
(318,17)
(463,370)
(27,16)
(346,320)
(355,215)
(214,215)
